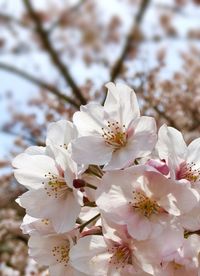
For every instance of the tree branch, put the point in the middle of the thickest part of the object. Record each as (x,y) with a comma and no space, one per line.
(72,13)
(40,83)
(131,35)
(11,19)
(24,137)
(53,53)
(128,44)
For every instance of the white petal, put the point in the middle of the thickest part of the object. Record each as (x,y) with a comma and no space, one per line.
(125,106)
(193,153)
(170,142)
(60,133)
(90,119)
(90,255)
(31,169)
(91,150)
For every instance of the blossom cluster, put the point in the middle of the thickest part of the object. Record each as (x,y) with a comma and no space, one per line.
(111,195)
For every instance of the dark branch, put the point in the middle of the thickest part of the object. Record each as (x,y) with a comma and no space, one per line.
(131,35)
(72,13)
(131,38)
(165,116)
(5,18)
(24,137)
(43,34)
(38,82)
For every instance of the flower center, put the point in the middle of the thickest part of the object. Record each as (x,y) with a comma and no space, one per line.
(176,266)
(55,185)
(145,205)
(61,252)
(65,146)
(45,221)
(188,171)
(121,255)
(115,135)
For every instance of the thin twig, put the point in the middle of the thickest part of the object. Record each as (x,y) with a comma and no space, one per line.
(131,35)
(11,19)
(24,137)
(43,34)
(117,68)
(82,226)
(38,82)
(72,13)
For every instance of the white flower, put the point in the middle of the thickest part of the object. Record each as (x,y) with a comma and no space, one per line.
(114,253)
(183,160)
(146,203)
(35,226)
(113,135)
(51,195)
(53,250)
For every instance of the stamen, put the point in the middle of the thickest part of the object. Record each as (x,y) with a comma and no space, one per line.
(115,135)
(45,221)
(145,205)
(61,252)
(188,171)
(64,146)
(56,185)
(121,255)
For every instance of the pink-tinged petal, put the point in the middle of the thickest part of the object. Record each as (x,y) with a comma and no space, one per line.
(144,138)
(186,198)
(170,143)
(121,103)
(159,165)
(128,103)
(193,153)
(65,214)
(175,197)
(40,249)
(62,211)
(90,254)
(31,169)
(120,159)
(191,220)
(139,227)
(91,150)
(89,120)
(158,184)
(35,226)
(111,99)
(106,201)
(61,270)
(61,133)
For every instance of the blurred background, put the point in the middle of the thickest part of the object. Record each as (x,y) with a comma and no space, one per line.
(57,54)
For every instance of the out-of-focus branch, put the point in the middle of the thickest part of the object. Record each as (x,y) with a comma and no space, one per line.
(165,116)
(71,13)
(26,138)
(131,35)
(38,82)
(43,34)
(11,19)
(129,43)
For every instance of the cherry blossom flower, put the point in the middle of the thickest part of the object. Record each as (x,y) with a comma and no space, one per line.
(183,262)
(60,134)
(35,226)
(115,132)
(146,203)
(183,160)
(51,195)
(53,250)
(111,254)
